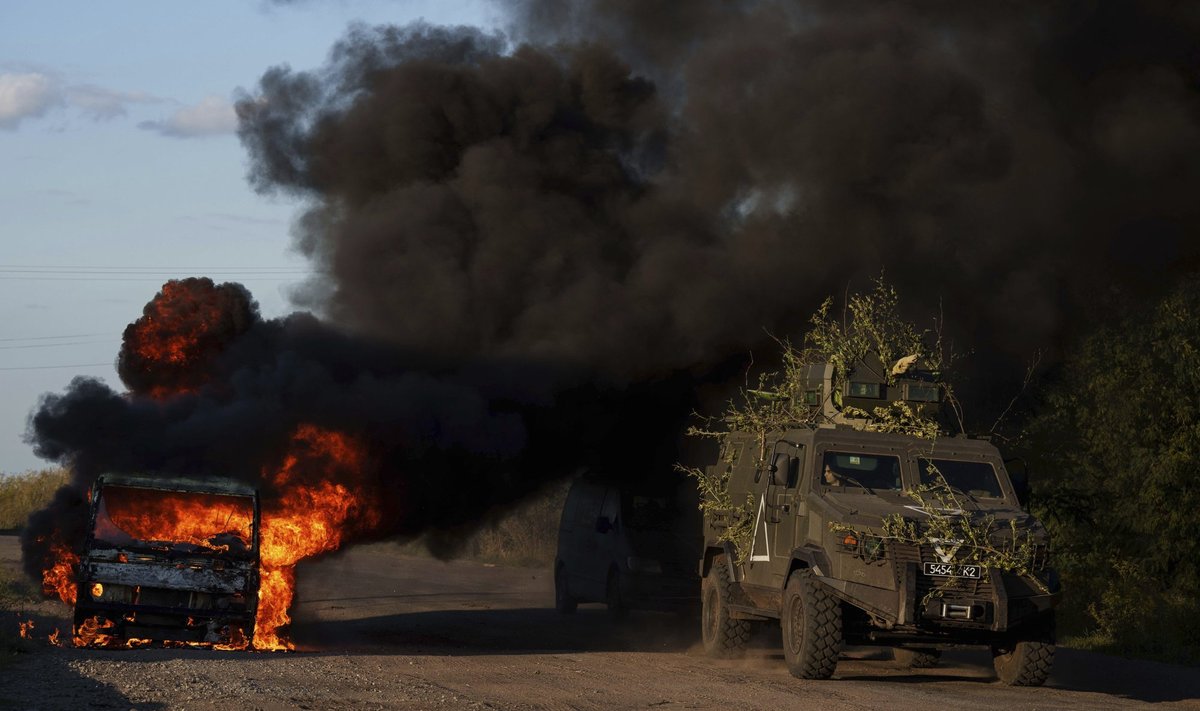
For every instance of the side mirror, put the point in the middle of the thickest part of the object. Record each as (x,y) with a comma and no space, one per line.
(779,469)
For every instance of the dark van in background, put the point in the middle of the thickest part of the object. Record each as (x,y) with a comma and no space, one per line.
(630,546)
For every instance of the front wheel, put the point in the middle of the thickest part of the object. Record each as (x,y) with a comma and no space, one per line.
(723,636)
(1026,662)
(812,627)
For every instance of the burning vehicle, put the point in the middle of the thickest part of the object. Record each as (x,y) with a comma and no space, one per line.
(170,561)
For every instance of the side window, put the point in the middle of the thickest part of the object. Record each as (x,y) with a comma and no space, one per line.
(612,507)
(587,506)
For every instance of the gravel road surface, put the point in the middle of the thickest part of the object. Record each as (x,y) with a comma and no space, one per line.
(377,629)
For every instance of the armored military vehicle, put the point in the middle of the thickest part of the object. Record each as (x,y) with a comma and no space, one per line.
(821,560)
(168,560)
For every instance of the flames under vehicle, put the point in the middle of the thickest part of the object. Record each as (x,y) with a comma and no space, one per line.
(169,561)
(822,564)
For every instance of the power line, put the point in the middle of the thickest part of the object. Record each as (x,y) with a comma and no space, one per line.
(55,338)
(53,367)
(55,345)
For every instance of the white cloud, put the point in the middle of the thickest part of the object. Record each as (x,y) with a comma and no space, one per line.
(104,104)
(211,117)
(26,95)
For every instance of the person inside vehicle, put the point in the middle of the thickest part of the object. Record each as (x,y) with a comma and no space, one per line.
(832,478)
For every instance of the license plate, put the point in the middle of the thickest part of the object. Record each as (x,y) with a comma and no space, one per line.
(954,570)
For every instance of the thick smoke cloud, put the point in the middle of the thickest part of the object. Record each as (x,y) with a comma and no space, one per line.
(653,185)
(535,246)
(218,392)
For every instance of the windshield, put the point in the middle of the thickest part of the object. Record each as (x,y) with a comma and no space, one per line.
(869,471)
(182,520)
(974,478)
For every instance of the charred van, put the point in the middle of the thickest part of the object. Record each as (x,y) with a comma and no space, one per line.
(168,560)
(628,547)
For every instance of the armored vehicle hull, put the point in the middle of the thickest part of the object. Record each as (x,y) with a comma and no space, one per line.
(827,561)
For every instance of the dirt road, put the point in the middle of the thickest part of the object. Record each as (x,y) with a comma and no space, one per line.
(380,630)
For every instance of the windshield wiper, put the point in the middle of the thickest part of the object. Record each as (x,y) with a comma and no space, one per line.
(852,480)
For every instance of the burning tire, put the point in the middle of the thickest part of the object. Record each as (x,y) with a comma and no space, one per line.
(1026,662)
(723,635)
(812,627)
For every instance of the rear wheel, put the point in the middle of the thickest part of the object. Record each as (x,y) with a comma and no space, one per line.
(563,602)
(617,608)
(812,627)
(723,635)
(1026,662)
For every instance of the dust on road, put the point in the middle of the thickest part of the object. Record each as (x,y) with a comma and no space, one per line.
(378,629)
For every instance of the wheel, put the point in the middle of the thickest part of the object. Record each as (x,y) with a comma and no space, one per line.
(1026,662)
(722,635)
(812,627)
(563,602)
(617,608)
(920,658)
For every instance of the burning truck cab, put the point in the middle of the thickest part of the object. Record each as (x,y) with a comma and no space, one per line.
(169,561)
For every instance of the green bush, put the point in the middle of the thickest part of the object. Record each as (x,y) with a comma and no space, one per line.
(1115,450)
(22,494)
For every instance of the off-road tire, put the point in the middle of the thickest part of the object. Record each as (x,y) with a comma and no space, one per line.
(917,658)
(563,602)
(812,627)
(1026,662)
(723,636)
(618,609)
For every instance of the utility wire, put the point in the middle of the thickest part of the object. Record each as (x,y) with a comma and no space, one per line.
(55,338)
(55,345)
(52,367)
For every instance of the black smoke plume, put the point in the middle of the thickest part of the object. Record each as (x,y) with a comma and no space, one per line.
(532,247)
(447,441)
(643,186)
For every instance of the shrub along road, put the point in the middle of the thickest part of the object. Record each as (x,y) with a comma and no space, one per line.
(378,629)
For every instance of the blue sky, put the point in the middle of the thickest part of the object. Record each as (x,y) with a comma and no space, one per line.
(119,169)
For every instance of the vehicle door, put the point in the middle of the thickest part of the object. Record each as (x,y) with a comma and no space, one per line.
(775,520)
(609,536)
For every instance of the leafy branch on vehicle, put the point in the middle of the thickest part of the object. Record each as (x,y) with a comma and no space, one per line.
(734,524)
(968,538)
(780,400)
(870,323)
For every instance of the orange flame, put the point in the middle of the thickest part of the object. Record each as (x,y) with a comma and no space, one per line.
(58,580)
(26,628)
(321,495)
(179,517)
(53,638)
(313,514)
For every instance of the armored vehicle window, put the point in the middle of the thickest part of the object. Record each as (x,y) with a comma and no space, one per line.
(975,478)
(872,471)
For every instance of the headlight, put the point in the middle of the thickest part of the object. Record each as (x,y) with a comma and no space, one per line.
(643,565)
(111,593)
